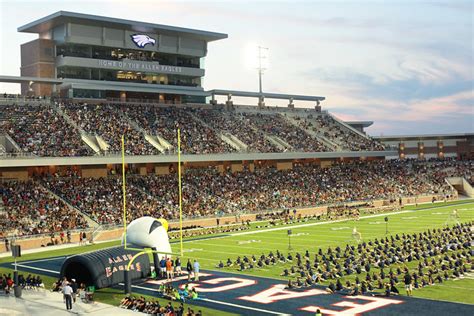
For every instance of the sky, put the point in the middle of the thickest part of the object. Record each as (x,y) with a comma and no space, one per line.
(407,65)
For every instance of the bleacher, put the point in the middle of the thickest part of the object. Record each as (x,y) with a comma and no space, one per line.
(90,129)
(40,131)
(29,209)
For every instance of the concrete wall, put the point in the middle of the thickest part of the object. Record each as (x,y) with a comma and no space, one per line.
(284,165)
(162,170)
(94,172)
(21,175)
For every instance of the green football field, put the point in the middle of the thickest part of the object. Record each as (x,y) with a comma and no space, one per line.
(311,236)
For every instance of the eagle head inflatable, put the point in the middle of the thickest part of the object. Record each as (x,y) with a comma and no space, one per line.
(148,232)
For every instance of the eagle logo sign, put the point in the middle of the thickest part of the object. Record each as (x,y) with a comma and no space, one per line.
(141,40)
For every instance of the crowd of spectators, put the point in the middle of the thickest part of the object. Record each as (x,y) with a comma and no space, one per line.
(239,126)
(195,137)
(441,169)
(29,209)
(326,126)
(207,192)
(153,307)
(39,130)
(276,125)
(106,121)
(101,198)
(23,97)
(198,232)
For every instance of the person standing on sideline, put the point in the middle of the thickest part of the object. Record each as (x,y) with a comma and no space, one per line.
(189,268)
(7,245)
(177,266)
(67,292)
(163,267)
(169,269)
(74,286)
(196,270)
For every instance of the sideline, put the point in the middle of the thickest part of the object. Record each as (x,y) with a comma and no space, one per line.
(217,302)
(345,219)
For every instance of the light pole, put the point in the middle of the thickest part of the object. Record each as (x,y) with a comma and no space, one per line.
(260,68)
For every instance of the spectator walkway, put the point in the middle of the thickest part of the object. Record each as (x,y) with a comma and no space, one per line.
(45,303)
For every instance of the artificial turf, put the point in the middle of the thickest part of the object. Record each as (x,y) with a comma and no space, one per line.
(311,236)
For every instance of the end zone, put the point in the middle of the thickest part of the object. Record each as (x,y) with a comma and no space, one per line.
(249,295)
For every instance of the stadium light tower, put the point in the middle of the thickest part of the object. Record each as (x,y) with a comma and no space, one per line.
(261,68)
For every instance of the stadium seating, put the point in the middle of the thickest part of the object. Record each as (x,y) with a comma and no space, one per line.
(239,126)
(107,122)
(196,138)
(274,124)
(207,192)
(39,130)
(327,126)
(43,130)
(29,209)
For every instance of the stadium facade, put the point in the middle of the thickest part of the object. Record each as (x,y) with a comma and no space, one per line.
(100,57)
(108,60)
(429,146)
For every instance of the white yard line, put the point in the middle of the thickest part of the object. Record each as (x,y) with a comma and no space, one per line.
(336,221)
(217,302)
(35,268)
(244,307)
(41,260)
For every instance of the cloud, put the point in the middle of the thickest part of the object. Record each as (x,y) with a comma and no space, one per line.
(404,117)
(447,107)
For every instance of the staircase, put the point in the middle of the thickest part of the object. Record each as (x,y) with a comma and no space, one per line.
(326,141)
(89,140)
(5,121)
(96,232)
(103,145)
(2,207)
(151,139)
(90,221)
(243,147)
(461,185)
(279,143)
(225,137)
(347,126)
(13,143)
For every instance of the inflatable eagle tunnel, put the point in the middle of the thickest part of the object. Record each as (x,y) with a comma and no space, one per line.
(106,267)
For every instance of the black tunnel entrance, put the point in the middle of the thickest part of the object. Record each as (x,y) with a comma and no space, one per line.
(105,267)
(79,272)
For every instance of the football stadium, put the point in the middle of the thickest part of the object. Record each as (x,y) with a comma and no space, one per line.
(130,187)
